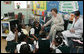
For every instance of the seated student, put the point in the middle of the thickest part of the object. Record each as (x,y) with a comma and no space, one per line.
(24,32)
(25,49)
(59,46)
(43,45)
(34,31)
(23,46)
(12,39)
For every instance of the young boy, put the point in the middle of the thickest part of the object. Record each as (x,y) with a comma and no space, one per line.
(23,46)
(34,31)
(43,45)
(59,46)
(12,40)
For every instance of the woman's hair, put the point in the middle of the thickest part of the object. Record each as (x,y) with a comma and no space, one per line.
(77,13)
(25,48)
(54,9)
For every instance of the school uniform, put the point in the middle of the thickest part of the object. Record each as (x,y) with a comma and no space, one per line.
(35,31)
(43,45)
(62,48)
(19,46)
(11,44)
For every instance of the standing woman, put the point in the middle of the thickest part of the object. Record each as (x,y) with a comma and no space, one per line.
(57,24)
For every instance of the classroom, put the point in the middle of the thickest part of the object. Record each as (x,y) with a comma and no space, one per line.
(41,26)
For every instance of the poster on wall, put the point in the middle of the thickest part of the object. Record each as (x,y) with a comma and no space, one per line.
(20,4)
(39,6)
(5,28)
(68,6)
(7,2)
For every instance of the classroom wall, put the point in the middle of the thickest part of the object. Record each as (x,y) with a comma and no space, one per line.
(5,8)
(55,4)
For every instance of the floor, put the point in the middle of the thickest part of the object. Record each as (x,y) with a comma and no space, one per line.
(3,45)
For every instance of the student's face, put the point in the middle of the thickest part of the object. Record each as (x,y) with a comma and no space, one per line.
(37,25)
(23,26)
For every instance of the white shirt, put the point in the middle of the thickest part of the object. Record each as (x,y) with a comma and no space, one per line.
(19,45)
(56,48)
(11,36)
(32,31)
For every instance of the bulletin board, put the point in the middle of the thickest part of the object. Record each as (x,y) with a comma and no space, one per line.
(55,4)
(68,6)
(39,5)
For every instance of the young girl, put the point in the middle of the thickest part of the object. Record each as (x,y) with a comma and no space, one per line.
(34,31)
(59,46)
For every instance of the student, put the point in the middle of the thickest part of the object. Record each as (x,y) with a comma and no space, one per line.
(43,45)
(25,49)
(57,24)
(24,46)
(25,32)
(59,46)
(76,29)
(34,31)
(12,40)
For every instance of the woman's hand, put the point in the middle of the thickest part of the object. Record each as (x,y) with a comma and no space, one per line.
(47,37)
(72,30)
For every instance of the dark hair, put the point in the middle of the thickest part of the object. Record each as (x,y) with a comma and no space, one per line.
(25,49)
(77,13)
(54,9)
(13,29)
(42,34)
(36,22)
(58,39)
(22,37)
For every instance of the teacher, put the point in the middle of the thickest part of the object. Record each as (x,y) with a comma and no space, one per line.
(57,24)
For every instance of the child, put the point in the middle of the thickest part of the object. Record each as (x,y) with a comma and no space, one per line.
(23,46)
(43,45)
(59,46)
(12,39)
(34,31)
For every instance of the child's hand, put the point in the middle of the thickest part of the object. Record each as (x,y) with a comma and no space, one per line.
(47,37)
(32,38)
(42,27)
(36,38)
